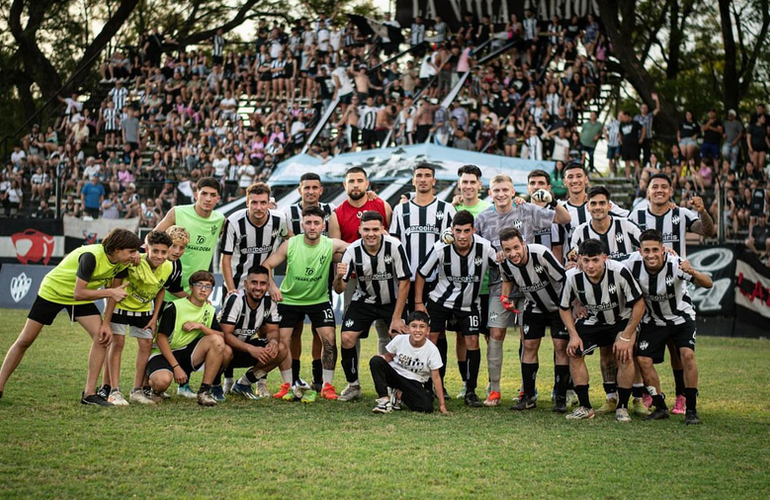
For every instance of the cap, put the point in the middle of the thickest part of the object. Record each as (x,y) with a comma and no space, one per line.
(131,185)
(732,112)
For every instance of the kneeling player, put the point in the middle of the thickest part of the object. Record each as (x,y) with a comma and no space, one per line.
(670,317)
(408,364)
(540,278)
(189,339)
(243,316)
(611,296)
(380,264)
(461,267)
(74,285)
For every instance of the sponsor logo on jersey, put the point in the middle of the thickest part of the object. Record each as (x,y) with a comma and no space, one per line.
(669,280)
(478,260)
(675,219)
(619,237)
(612,289)
(388,259)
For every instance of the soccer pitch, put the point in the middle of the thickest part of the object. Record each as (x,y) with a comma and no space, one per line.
(53,447)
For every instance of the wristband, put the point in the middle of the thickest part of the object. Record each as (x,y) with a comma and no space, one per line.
(623,338)
(174,367)
(417,303)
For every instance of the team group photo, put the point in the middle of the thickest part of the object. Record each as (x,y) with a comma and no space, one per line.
(404,250)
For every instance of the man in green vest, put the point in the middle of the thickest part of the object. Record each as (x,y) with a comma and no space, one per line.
(204,225)
(189,339)
(137,315)
(74,285)
(305,291)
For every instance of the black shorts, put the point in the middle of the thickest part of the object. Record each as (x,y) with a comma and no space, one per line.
(320,315)
(360,316)
(368,137)
(242,359)
(184,357)
(466,322)
(535,324)
(653,339)
(629,153)
(131,318)
(596,336)
(484,317)
(44,311)
(345,99)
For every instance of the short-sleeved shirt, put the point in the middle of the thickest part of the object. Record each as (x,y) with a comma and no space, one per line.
(413,363)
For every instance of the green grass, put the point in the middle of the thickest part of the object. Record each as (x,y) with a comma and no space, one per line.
(52,447)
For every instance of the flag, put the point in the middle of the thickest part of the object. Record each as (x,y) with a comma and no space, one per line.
(372,27)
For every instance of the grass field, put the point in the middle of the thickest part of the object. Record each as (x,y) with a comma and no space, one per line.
(53,447)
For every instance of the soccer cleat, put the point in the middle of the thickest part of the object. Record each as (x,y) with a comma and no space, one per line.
(472,400)
(526,403)
(520,396)
(621,415)
(679,405)
(150,394)
(350,393)
(461,394)
(138,396)
(640,409)
(262,390)
(691,418)
(228,386)
(117,398)
(610,405)
(329,392)
(580,413)
(383,406)
(560,404)
(94,400)
(572,398)
(493,399)
(205,398)
(658,414)
(218,393)
(284,391)
(302,384)
(185,391)
(309,396)
(243,390)
(647,399)
(317,386)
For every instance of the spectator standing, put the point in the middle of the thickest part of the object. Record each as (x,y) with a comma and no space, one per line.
(92,196)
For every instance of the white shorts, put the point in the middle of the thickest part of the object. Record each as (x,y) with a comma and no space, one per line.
(500,317)
(133,331)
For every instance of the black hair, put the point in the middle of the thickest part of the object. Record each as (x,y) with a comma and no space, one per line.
(469,169)
(599,190)
(462,218)
(592,247)
(159,238)
(371,215)
(313,210)
(651,235)
(418,316)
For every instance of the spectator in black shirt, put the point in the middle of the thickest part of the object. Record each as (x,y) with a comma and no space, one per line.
(688,134)
(712,135)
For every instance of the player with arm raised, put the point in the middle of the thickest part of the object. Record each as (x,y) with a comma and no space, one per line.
(380,263)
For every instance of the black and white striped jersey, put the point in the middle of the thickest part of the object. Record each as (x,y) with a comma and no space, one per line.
(245,320)
(540,279)
(608,301)
(580,215)
(367,117)
(378,275)
(278,64)
(459,276)
(174,281)
(119,97)
(252,244)
(665,291)
(218,43)
(674,225)
(294,216)
(620,240)
(419,227)
(110,116)
(547,236)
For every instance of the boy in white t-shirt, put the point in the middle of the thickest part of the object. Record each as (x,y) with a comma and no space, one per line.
(410,361)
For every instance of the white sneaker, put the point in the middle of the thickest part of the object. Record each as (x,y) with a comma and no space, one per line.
(350,393)
(117,399)
(138,396)
(262,390)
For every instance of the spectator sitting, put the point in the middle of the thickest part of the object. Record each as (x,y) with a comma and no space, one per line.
(759,236)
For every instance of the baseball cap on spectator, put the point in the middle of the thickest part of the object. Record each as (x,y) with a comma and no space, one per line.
(131,185)
(732,112)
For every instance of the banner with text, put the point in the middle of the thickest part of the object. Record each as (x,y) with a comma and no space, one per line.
(719,263)
(752,291)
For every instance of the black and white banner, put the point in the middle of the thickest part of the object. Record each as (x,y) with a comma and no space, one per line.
(719,263)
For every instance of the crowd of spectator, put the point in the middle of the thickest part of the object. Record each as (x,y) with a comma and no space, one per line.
(164,115)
